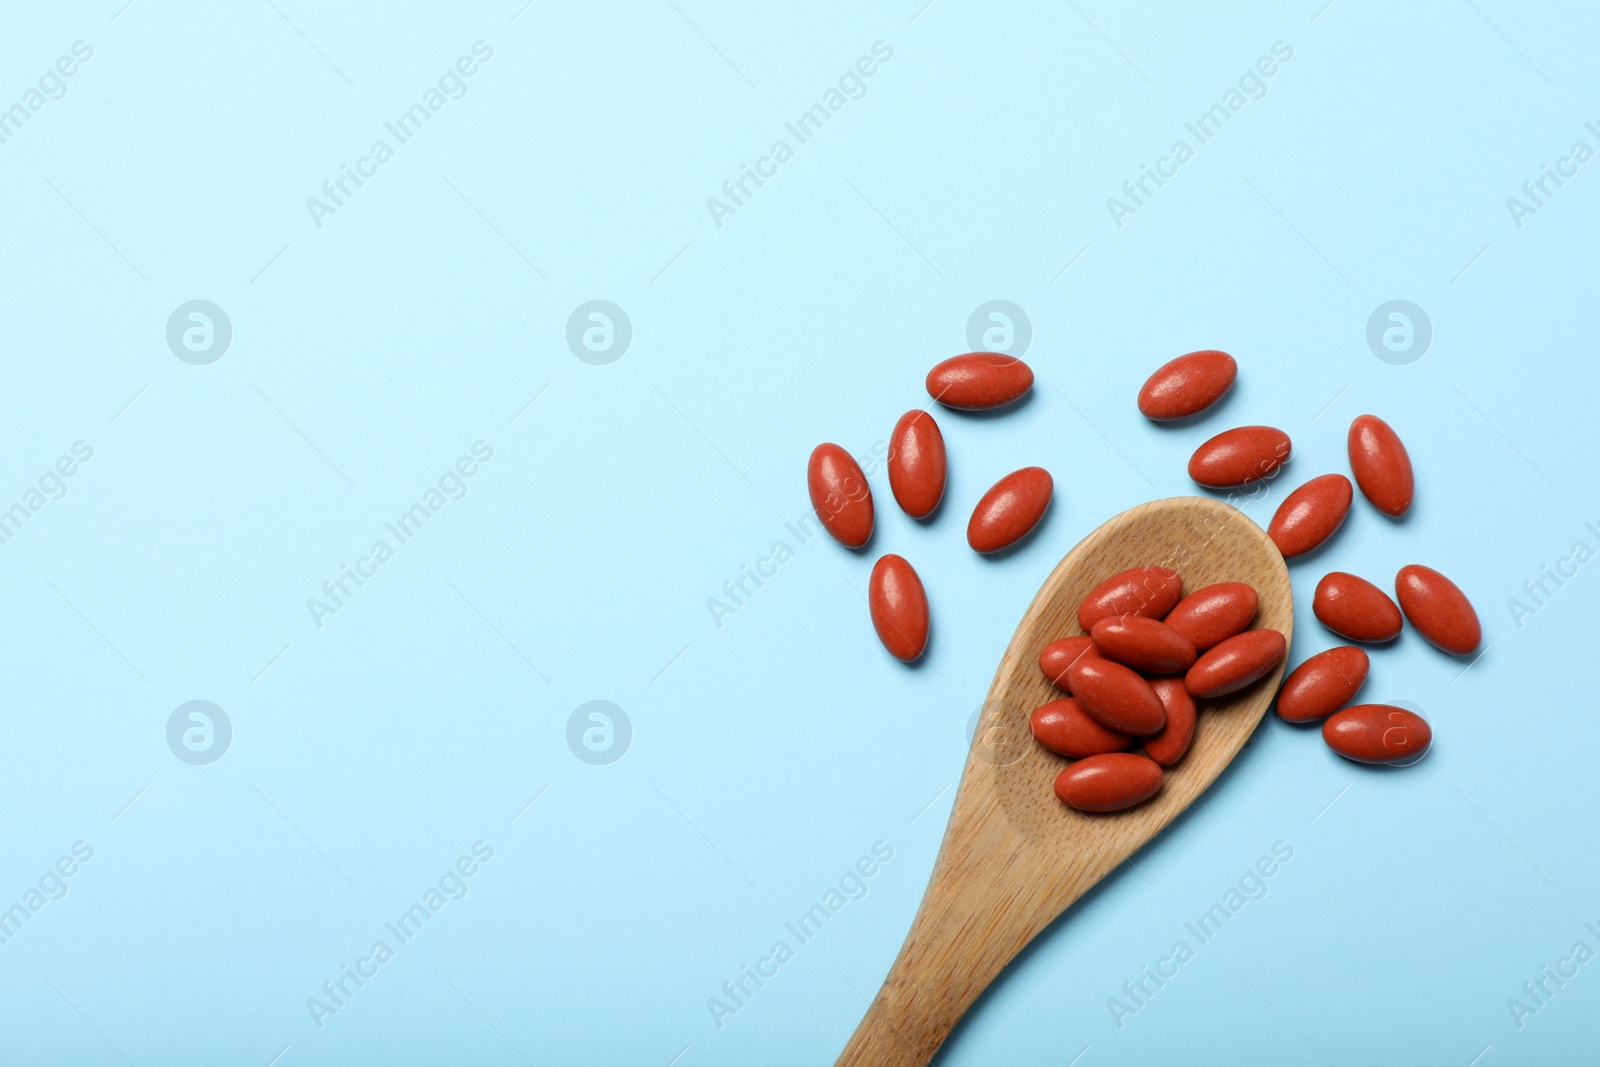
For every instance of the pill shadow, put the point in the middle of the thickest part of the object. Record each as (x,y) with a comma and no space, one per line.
(985,414)
(922,662)
(1239,496)
(1400,520)
(938,509)
(1354,766)
(1027,539)
(1322,549)
(1220,408)
(1371,648)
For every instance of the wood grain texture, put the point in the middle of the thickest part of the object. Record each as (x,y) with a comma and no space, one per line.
(1014,857)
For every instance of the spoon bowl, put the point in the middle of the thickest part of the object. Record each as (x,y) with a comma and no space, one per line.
(1015,857)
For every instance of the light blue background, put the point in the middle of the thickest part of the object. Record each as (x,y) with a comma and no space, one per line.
(771,752)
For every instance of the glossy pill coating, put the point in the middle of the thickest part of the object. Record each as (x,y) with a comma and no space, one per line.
(1310,515)
(1323,684)
(1240,456)
(1010,509)
(1381,465)
(1110,782)
(1067,730)
(917,464)
(1143,644)
(1056,658)
(1353,607)
(1213,614)
(1147,591)
(1378,733)
(1438,609)
(840,495)
(1168,747)
(1235,663)
(1116,697)
(1187,385)
(899,607)
(979,381)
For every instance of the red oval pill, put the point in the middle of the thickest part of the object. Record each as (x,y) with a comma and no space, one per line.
(1110,782)
(899,607)
(1116,697)
(1010,509)
(1381,465)
(1240,456)
(916,464)
(1187,385)
(1143,644)
(1438,609)
(1067,730)
(1235,663)
(1147,591)
(1168,747)
(978,381)
(840,495)
(1323,684)
(1378,733)
(1311,514)
(1355,608)
(1211,615)
(1056,658)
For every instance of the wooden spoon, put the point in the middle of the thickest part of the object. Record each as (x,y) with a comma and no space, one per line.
(1014,856)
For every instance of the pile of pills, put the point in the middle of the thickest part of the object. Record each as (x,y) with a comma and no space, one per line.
(1147,652)
(1151,653)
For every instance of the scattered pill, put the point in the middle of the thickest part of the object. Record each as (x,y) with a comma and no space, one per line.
(1323,684)
(1187,385)
(1168,747)
(1143,644)
(1354,608)
(899,607)
(1378,733)
(1067,730)
(1310,515)
(1211,615)
(840,495)
(1381,465)
(979,381)
(1235,663)
(1438,609)
(1058,657)
(1240,456)
(1109,782)
(1010,509)
(917,464)
(1147,591)
(1116,697)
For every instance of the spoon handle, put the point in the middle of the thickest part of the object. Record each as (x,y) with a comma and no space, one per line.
(990,895)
